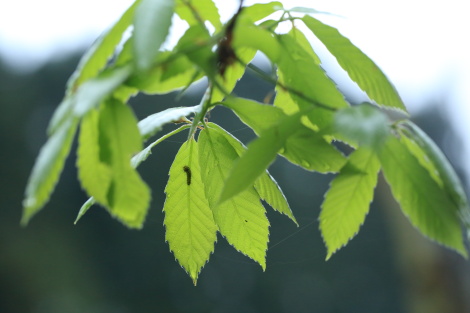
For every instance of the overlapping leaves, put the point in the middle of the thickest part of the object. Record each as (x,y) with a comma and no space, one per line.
(216,183)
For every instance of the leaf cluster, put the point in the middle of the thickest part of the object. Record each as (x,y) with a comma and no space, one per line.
(216,183)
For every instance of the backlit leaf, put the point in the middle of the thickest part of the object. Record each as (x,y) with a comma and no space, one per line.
(347,201)
(47,169)
(196,11)
(242,219)
(360,68)
(152,23)
(190,227)
(428,207)
(259,11)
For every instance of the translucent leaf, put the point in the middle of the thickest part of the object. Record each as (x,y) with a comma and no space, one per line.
(168,76)
(96,58)
(128,196)
(93,92)
(47,169)
(362,124)
(265,185)
(421,199)
(153,123)
(190,227)
(198,11)
(62,113)
(434,160)
(303,147)
(260,154)
(94,174)
(303,75)
(241,220)
(136,160)
(347,201)
(233,73)
(257,38)
(152,23)
(360,68)
(259,11)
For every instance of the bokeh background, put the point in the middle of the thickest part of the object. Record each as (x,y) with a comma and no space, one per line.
(99,266)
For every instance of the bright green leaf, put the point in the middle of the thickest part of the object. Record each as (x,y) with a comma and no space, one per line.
(94,174)
(84,208)
(434,160)
(128,197)
(260,154)
(347,201)
(362,124)
(153,123)
(152,23)
(421,199)
(251,36)
(359,67)
(265,185)
(190,227)
(259,11)
(93,92)
(197,11)
(96,58)
(241,220)
(47,169)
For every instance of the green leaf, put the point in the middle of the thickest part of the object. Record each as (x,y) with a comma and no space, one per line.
(153,123)
(94,174)
(94,91)
(296,64)
(136,160)
(101,51)
(360,68)
(310,150)
(265,185)
(347,201)
(233,73)
(61,114)
(241,220)
(257,38)
(172,73)
(128,197)
(197,11)
(303,147)
(190,227)
(362,124)
(259,11)
(434,160)
(260,154)
(152,23)
(421,199)
(47,169)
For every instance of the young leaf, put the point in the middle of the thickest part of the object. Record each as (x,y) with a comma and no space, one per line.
(362,124)
(303,75)
(47,169)
(421,199)
(198,11)
(93,92)
(260,154)
(96,58)
(347,201)
(257,38)
(190,227)
(432,158)
(360,68)
(241,220)
(152,23)
(259,11)
(304,147)
(153,123)
(94,174)
(128,196)
(265,185)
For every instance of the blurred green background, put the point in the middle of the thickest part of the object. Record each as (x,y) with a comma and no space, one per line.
(99,266)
